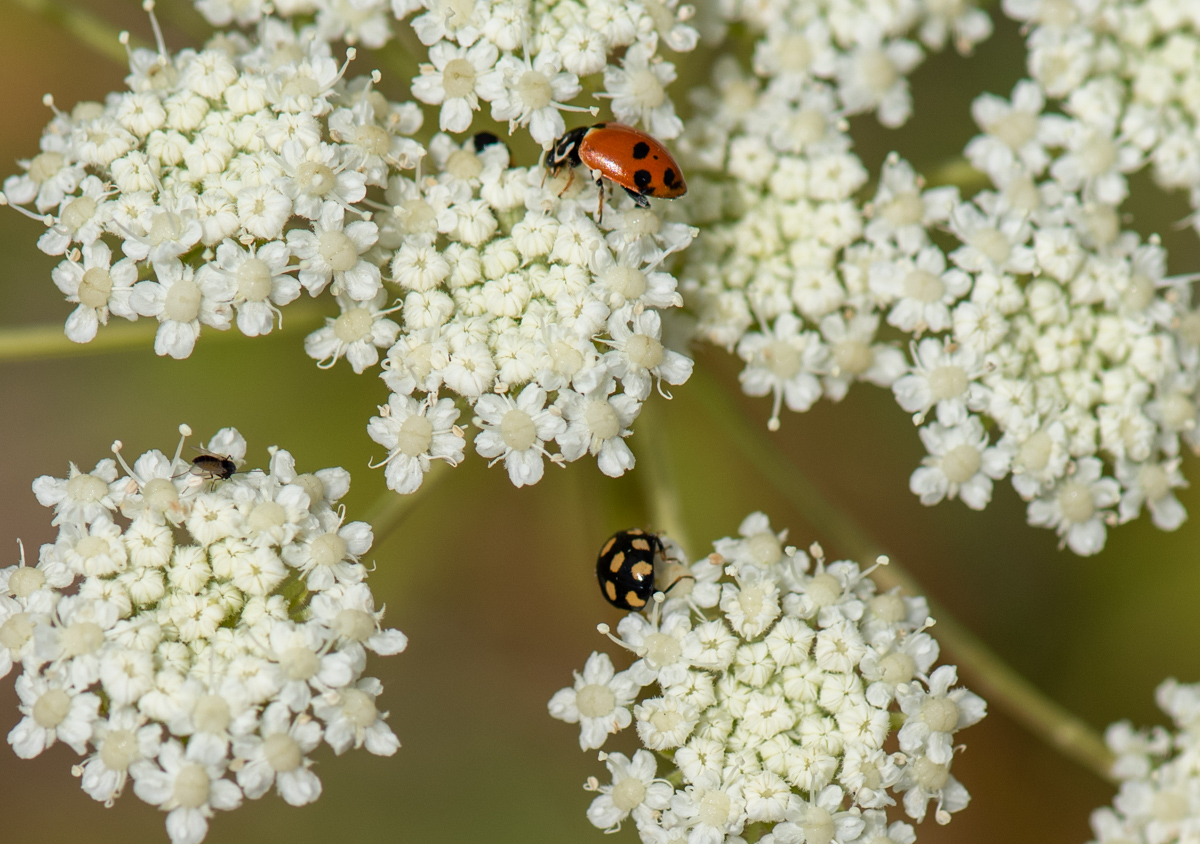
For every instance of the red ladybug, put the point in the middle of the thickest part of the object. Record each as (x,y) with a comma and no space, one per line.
(623,155)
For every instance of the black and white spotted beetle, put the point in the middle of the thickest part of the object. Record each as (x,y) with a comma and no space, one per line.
(627,566)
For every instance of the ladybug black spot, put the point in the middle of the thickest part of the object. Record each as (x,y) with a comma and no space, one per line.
(640,150)
(642,179)
(669,177)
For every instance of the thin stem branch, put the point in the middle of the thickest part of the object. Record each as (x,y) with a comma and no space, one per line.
(959,172)
(41,342)
(390,509)
(92,31)
(995,679)
(655,474)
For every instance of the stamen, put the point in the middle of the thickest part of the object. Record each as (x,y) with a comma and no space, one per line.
(45,219)
(116,450)
(184,433)
(48,102)
(148,6)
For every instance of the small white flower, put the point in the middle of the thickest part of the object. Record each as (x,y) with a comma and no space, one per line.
(820,819)
(597,423)
(530,94)
(1077,508)
(277,756)
(189,786)
(98,286)
(454,79)
(318,174)
(638,355)
(416,433)
(80,497)
(120,740)
(181,301)
(934,716)
(262,283)
(786,362)
(53,711)
(633,790)
(1152,484)
(599,701)
(516,432)
(352,719)
(665,722)
(874,76)
(333,250)
(944,379)
(358,333)
(638,91)
(710,809)
(961,464)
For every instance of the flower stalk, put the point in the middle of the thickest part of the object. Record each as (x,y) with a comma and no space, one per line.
(91,31)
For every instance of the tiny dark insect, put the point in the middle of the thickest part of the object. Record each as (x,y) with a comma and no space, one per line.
(623,155)
(213,467)
(627,566)
(483,140)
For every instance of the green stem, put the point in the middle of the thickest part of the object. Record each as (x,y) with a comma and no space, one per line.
(390,509)
(41,342)
(959,172)
(655,475)
(992,677)
(85,27)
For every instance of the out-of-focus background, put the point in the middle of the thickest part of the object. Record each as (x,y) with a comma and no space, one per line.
(495,586)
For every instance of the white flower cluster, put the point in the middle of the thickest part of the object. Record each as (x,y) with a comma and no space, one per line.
(526,59)
(770,694)
(233,177)
(1127,73)
(531,311)
(1157,800)
(198,635)
(548,47)
(1046,346)
(225,177)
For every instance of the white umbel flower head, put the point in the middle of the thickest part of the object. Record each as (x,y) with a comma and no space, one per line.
(198,629)
(774,708)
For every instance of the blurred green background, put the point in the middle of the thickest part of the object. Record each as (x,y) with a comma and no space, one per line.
(495,587)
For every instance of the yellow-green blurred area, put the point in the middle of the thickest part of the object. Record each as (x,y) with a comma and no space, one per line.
(495,586)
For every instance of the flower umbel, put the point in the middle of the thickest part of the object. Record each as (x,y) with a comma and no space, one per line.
(199,635)
(775,706)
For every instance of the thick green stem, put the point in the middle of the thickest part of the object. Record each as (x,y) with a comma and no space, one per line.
(991,676)
(655,475)
(40,342)
(85,27)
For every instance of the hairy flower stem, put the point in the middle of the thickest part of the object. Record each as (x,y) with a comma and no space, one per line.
(994,679)
(85,27)
(654,471)
(42,342)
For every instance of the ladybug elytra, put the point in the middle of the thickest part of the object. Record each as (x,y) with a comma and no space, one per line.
(627,568)
(623,155)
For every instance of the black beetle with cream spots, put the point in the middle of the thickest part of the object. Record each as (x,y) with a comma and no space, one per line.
(625,568)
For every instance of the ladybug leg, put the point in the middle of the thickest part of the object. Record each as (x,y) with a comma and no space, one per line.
(600,200)
(675,582)
(570,180)
(638,198)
